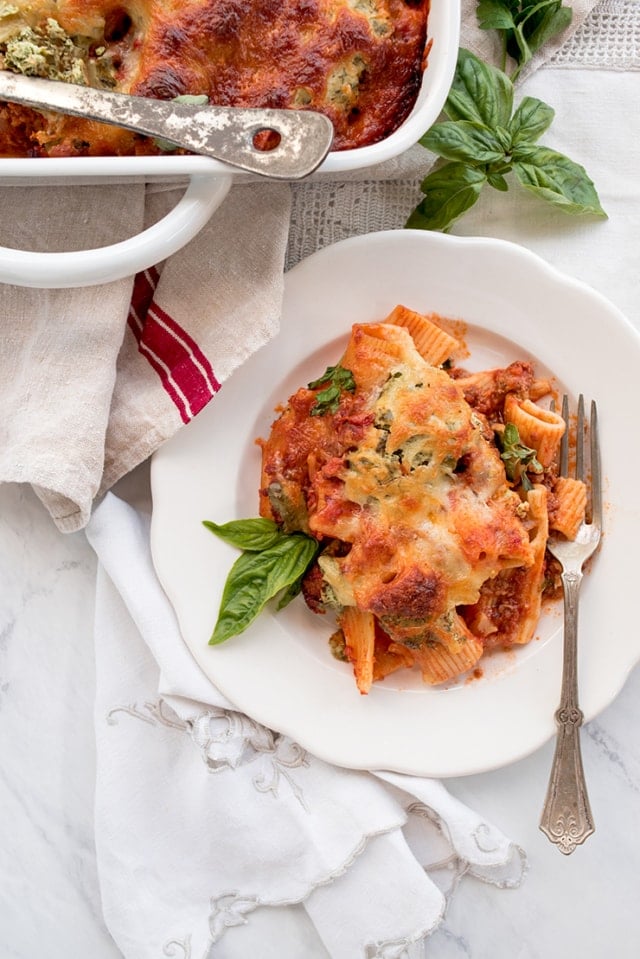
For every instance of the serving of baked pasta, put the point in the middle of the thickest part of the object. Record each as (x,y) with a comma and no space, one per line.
(360,62)
(410,499)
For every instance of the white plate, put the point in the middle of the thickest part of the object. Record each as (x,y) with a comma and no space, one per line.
(280,670)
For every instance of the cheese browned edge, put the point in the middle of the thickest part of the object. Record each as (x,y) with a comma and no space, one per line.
(358,61)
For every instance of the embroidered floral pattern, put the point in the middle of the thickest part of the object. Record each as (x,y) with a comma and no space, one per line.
(388,950)
(229,909)
(156,714)
(448,871)
(228,740)
(178,948)
(484,839)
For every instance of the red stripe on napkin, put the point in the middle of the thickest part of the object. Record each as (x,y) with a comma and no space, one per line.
(143,289)
(185,372)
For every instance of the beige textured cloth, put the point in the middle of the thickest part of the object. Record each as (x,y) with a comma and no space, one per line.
(93,380)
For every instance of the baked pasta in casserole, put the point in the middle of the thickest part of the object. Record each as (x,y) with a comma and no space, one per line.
(358,61)
(431,492)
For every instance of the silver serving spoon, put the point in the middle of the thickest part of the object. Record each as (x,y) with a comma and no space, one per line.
(301,138)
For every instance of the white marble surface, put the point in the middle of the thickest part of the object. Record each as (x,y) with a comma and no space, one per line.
(583,905)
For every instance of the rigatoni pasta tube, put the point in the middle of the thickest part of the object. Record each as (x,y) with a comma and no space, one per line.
(432,343)
(531,585)
(358,627)
(570,503)
(539,429)
(438,665)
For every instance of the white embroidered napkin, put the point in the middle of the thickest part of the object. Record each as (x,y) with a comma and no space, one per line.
(204,818)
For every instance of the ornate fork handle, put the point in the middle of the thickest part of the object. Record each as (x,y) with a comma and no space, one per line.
(566,816)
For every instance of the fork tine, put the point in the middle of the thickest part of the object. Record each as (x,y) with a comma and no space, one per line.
(563,466)
(580,439)
(596,480)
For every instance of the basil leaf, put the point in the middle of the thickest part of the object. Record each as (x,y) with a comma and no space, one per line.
(536,23)
(479,92)
(516,456)
(530,120)
(481,139)
(337,374)
(450,192)
(463,140)
(494,15)
(290,593)
(554,177)
(526,482)
(518,49)
(497,181)
(524,25)
(553,20)
(255,578)
(328,400)
(249,534)
(503,136)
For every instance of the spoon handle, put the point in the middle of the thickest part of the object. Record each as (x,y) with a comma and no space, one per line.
(301,142)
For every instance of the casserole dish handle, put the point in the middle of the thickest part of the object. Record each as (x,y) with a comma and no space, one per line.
(75,268)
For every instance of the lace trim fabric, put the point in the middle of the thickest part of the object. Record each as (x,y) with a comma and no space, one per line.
(323,213)
(326,212)
(608,38)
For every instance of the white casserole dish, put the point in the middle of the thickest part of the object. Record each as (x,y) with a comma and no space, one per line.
(208,181)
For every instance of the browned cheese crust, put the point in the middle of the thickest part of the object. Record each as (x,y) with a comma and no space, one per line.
(358,61)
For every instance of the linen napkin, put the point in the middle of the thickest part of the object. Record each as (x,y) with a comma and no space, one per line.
(207,822)
(93,380)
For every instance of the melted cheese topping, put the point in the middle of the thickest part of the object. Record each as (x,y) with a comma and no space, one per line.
(358,61)
(404,484)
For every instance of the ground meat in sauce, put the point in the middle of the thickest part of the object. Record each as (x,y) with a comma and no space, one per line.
(486,393)
(504,608)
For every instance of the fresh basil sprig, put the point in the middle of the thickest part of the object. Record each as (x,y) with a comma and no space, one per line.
(484,140)
(253,535)
(327,400)
(517,457)
(272,563)
(524,26)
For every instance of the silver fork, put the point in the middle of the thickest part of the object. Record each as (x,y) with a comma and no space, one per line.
(566,816)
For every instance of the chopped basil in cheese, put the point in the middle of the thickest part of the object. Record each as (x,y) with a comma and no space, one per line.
(337,646)
(344,82)
(375,14)
(47,52)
